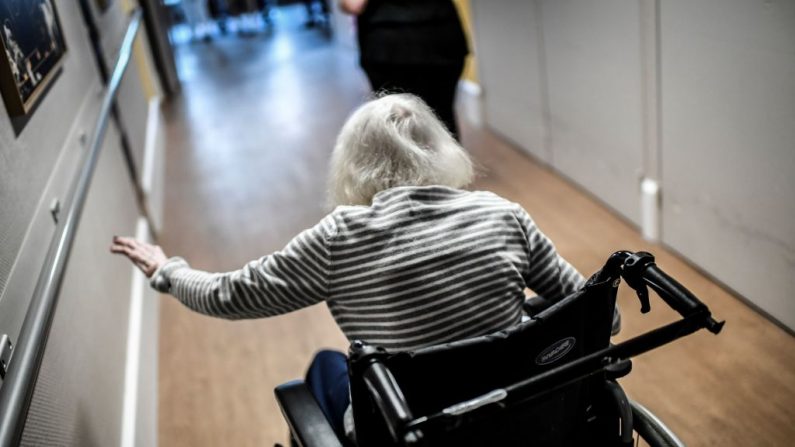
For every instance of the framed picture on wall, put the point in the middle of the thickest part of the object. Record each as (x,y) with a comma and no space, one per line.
(33,52)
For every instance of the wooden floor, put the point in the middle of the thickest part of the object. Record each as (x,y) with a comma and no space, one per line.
(248,144)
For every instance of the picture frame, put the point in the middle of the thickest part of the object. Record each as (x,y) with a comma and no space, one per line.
(33,50)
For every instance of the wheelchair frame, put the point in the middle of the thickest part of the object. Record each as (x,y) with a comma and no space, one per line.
(310,428)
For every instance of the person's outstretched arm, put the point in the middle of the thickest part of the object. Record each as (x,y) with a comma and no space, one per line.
(548,275)
(287,280)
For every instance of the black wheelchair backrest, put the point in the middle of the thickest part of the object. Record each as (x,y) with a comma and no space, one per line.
(454,379)
(546,382)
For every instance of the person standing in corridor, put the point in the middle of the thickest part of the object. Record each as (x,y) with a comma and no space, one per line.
(412,46)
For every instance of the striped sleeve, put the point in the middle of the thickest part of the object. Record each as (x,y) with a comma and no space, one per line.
(548,274)
(287,280)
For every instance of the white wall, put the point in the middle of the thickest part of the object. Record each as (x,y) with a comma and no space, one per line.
(594,83)
(510,66)
(696,94)
(728,158)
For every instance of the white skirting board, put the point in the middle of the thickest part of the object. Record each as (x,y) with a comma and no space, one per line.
(139,415)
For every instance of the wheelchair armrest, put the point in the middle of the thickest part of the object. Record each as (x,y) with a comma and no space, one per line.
(308,424)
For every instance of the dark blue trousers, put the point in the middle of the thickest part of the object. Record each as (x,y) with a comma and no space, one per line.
(327,379)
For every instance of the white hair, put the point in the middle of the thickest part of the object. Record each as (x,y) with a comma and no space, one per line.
(394,140)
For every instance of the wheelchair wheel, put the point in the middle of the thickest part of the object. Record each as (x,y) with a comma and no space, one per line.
(651,429)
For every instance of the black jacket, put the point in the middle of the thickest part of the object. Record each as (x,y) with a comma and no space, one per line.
(411,32)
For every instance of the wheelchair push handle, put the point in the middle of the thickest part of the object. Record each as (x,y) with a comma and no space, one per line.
(640,270)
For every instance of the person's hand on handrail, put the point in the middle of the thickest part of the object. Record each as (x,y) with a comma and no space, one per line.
(147,257)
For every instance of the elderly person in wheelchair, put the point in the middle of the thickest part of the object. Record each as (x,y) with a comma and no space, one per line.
(427,280)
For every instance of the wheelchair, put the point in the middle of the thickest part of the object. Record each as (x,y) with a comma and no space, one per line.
(548,381)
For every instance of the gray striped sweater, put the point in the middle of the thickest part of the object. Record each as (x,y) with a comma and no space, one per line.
(420,266)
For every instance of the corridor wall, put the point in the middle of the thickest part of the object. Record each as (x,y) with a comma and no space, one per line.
(695,96)
(593,64)
(510,67)
(81,396)
(728,158)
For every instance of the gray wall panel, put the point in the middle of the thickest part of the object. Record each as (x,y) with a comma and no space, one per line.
(133,108)
(26,161)
(728,121)
(131,100)
(563,80)
(21,281)
(78,399)
(594,78)
(112,24)
(699,95)
(509,65)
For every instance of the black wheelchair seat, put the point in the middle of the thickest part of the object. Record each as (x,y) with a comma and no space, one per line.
(549,381)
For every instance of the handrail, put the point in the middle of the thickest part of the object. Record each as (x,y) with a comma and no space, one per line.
(23,369)
(99,53)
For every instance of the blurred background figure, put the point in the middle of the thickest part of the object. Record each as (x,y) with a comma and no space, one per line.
(198,18)
(205,18)
(220,13)
(248,13)
(317,13)
(412,46)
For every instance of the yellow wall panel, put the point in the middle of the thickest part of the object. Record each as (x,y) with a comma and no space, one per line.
(464,10)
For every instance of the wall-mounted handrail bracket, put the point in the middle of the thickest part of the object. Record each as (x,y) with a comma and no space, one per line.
(6,349)
(55,209)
